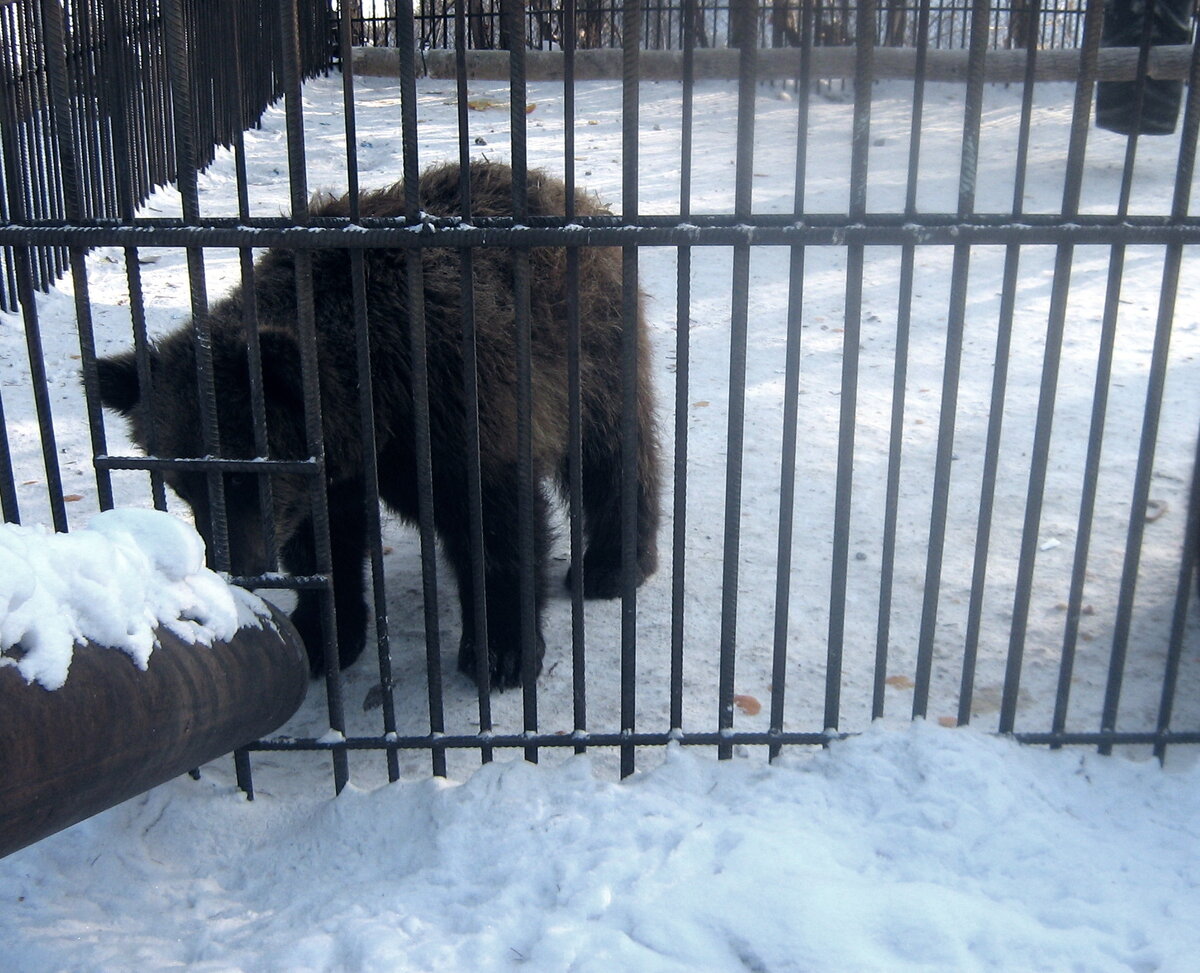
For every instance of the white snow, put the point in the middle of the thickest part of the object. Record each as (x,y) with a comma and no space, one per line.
(113,583)
(907,849)
(910,847)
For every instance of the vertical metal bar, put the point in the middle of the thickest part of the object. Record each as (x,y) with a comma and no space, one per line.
(185,165)
(471,396)
(1154,391)
(93,140)
(526,487)
(1039,455)
(574,392)
(899,377)
(631,30)
(851,339)
(346,54)
(745,12)
(955,325)
(9,509)
(366,404)
(56,67)
(120,86)
(991,460)
(1100,398)
(310,378)
(8,285)
(791,396)
(23,259)
(250,303)
(1187,567)
(1191,546)
(1141,492)
(420,381)
(43,187)
(683,308)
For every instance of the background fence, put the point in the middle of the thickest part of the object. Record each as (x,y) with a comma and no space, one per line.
(664,24)
(926,363)
(85,99)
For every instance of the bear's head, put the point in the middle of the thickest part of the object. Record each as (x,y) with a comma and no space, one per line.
(166,421)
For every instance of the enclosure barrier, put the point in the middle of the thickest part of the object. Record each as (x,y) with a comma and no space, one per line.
(973,583)
(87,118)
(1167,62)
(674,24)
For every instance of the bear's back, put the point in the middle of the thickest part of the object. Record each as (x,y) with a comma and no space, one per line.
(440,195)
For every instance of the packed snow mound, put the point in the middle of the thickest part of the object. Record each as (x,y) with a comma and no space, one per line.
(112,583)
(914,848)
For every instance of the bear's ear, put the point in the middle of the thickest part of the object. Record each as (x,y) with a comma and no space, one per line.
(282,378)
(119,389)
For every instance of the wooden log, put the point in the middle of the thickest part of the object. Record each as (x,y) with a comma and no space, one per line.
(113,730)
(1167,62)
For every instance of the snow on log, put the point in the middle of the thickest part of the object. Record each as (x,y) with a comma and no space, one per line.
(202,667)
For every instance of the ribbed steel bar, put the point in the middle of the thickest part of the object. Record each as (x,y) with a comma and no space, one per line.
(258,407)
(1189,571)
(310,378)
(10,510)
(1189,558)
(891,505)
(630,109)
(955,326)
(471,396)
(683,311)
(56,68)
(420,381)
(1116,273)
(23,260)
(816,230)
(186,168)
(991,457)
(366,405)
(574,392)
(696,739)
(791,392)
(527,498)
(1039,455)
(851,342)
(738,338)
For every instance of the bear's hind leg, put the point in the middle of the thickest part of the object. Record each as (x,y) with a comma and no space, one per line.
(602,508)
(502,572)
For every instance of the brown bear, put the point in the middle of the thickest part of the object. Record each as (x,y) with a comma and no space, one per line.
(176,415)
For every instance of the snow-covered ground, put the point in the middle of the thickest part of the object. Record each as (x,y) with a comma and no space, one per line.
(911,847)
(906,849)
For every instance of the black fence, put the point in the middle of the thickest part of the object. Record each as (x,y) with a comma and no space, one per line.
(88,121)
(926,448)
(669,24)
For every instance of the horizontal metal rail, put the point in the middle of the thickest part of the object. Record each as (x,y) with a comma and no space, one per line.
(1169,62)
(208,464)
(582,738)
(814,230)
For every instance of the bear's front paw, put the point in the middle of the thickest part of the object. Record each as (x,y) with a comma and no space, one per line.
(504,666)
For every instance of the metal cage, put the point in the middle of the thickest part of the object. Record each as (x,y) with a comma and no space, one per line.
(938,538)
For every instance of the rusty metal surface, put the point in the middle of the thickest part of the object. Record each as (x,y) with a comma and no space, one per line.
(113,731)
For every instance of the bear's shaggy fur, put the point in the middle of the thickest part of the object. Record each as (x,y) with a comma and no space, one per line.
(176,421)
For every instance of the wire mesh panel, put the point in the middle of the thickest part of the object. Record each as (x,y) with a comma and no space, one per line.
(731,414)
